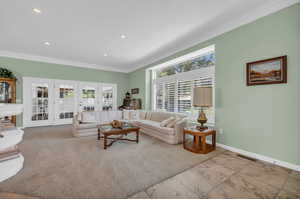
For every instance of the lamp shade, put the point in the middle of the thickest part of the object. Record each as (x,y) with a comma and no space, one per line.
(202,97)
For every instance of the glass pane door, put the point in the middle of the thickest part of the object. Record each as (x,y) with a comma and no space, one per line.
(65,101)
(88,94)
(38,101)
(108,97)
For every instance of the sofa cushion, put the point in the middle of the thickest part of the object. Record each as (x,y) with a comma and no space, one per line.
(89,117)
(87,125)
(148,116)
(126,115)
(155,126)
(165,122)
(142,115)
(134,115)
(160,116)
(172,123)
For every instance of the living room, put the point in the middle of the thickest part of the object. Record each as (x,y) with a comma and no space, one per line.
(96,103)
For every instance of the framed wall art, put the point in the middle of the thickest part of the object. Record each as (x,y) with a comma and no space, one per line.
(268,71)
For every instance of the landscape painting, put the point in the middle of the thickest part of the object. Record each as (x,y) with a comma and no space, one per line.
(269,71)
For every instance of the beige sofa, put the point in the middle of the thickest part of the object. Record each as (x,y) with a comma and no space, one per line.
(148,121)
(85,123)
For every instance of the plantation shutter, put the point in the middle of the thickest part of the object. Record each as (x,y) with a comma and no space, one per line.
(170,96)
(159,96)
(184,95)
(204,81)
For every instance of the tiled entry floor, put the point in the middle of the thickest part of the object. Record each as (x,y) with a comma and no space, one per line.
(228,176)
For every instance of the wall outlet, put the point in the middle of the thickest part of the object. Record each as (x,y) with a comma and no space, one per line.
(221,132)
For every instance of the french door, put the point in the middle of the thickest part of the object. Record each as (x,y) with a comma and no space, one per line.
(51,102)
(65,101)
(88,96)
(38,101)
(108,95)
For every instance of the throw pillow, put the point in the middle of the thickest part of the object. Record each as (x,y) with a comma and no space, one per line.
(172,124)
(148,116)
(166,121)
(133,115)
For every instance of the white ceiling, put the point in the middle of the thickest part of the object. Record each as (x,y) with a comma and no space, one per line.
(81,32)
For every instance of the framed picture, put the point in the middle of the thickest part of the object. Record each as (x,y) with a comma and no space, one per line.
(135,91)
(268,71)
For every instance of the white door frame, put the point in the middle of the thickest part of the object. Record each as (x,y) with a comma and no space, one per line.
(27,101)
(82,85)
(56,95)
(53,96)
(114,86)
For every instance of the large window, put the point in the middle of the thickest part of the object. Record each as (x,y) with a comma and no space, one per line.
(173,83)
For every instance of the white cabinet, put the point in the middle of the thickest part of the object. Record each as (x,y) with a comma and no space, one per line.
(51,102)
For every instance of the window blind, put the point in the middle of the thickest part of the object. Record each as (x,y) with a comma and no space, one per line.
(184,95)
(170,96)
(176,94)
(159,96)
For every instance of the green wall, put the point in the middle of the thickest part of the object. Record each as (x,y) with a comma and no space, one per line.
(55,71)
(261,119)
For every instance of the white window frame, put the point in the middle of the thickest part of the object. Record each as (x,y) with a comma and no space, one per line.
(190,75)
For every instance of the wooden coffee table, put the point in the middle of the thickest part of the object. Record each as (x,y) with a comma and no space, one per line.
(107,132)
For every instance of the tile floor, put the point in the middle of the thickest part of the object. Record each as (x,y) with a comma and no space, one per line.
(228,176)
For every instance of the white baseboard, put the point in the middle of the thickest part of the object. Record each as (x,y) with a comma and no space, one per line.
(260,157)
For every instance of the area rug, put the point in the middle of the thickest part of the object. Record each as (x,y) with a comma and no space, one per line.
(60,166)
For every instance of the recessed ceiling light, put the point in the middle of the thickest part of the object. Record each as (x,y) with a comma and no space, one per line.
(38,11)
(47,43)
(123,36)
(105,54)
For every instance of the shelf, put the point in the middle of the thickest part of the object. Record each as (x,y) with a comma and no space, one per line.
(11,138)
(11,167)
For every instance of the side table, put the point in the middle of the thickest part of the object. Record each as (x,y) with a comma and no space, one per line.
(198,143)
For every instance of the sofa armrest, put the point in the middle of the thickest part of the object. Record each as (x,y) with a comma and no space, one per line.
(76,121)
(178,128)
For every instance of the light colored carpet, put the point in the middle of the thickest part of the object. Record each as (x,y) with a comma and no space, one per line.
(59,166)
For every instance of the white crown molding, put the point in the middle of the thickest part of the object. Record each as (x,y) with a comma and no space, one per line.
(57,61)
(263,10)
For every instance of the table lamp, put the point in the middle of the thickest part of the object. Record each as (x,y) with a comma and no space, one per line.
(202,98)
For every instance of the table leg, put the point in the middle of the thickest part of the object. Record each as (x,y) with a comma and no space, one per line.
(203,143)
(105,141)
(137,136)
(214,140)
(196,140)
(99,137)
(183,139)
